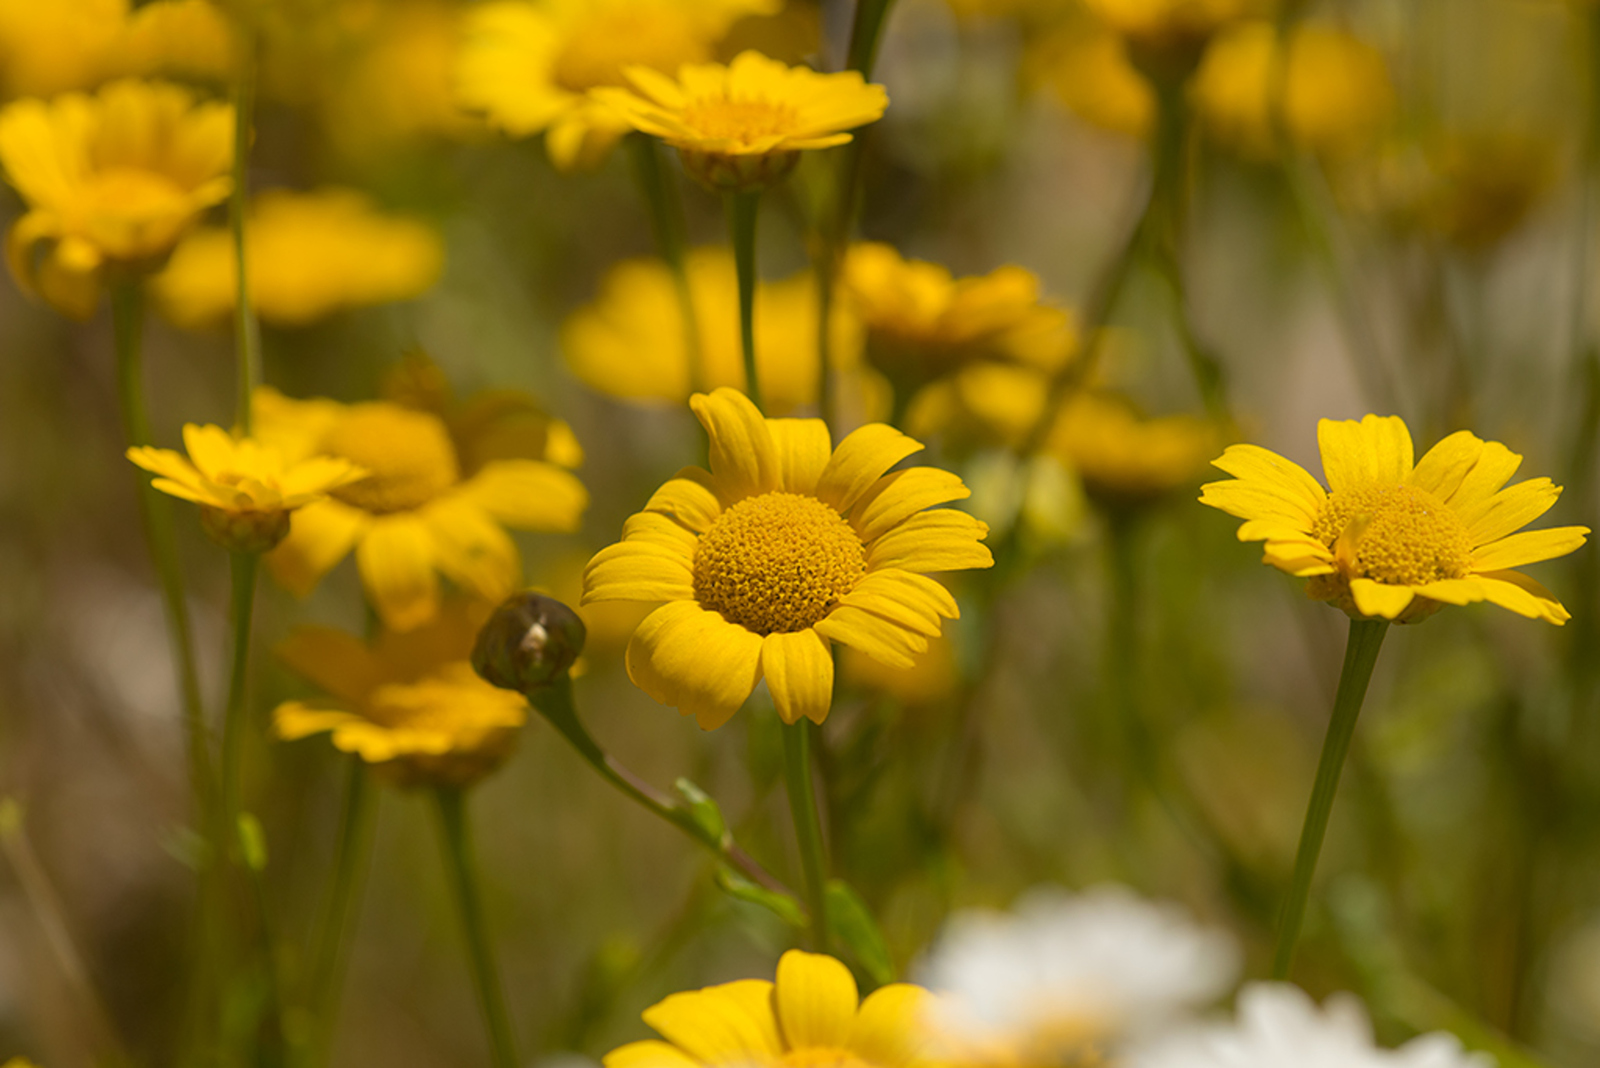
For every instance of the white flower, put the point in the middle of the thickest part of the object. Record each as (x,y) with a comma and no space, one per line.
(1278,1024)
(1065,972)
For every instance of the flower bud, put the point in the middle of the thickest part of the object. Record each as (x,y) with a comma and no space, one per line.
(245,532)
(530,641)
(723,172)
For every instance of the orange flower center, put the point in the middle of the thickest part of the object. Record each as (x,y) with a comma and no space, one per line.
(742,121)
(777,563)
(408,452)
(1400,535)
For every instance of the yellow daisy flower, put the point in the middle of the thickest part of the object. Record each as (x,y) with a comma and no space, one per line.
(1124,459)
(811,1017)
(529,67)
(409,704)
(1086,66)
(417,514)
(49,48)
(111,180)
(785,546)
(245,489)
(310,255)
(180,38)
(741,127)
(1392,539)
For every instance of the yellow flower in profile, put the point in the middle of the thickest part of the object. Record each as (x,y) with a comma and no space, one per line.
(1087,67)
(1124,459)
(111,181)
(178,38)
(1395,540)
(245,489)
(50,48)
(1166,37)
(631,341)
(409,704)
(811,1017)
(785,546)
(1337,95)
(742,127)
(418,514)
(311,254)
(529,67)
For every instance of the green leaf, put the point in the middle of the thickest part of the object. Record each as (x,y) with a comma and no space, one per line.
(854,926)
(783,906)
(705,810)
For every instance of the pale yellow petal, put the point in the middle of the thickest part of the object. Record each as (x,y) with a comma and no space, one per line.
(941,540)
(1528,547)
(1492,468)
(1257,502)
(859,461)
(637,571)
(799,672)
(661,530)
(651,1054)
(1378,599)
(471,548)
(1522,595)
(1376,450)
(528,494)
(725,1025)
(891,1029)
(1445,466)
(689,497)
(210,448)
(816,1000)
(695,661)
(884,640)
(397,557)
(320,535)
(894,498)
(804,450)
(1292,484)
(743,458)
(1509,510)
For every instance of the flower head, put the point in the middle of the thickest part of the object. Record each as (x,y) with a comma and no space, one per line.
(310,255)
(811,1017)
(742,126)
(1070,978)
(245,489)
(1167,36)
(409,703)
(110,180)
(420,511)
(51,48)
(1393,539)
(529,67)
(1123,458)
(783,547)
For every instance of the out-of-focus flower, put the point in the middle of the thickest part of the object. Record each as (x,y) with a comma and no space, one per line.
(417,514)
(631,341)
(1086,66)
(1071,978)
(311,254)
(785,546)
(1279,1024)
(111,182)
(812,1015)
(245,489)
(1124,459)
(1392,539)
(50,48)
(529,67)
(409,704)
(1166,37)
(177,38)
(742,127)
(1337,96)
(930,679)
(967,354)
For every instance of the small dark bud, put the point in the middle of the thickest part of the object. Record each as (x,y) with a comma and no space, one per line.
(530,641)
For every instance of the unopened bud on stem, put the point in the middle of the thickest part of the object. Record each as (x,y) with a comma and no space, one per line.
(530,642)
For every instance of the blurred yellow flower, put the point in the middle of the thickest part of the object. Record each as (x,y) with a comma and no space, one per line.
(631,341)
(1395,540)
(1337,96)
(529,67)
(785,546)
(1166,37)
(742,126)
(1086,66)
(245,489)
(52,47)
(812,1016)
(111,181)
(1124,459)
(970,354)
(409,704)
(178,38)
(311,254)
(417,514)
(932,678)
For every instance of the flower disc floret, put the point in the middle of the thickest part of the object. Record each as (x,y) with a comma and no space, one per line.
(1402,535)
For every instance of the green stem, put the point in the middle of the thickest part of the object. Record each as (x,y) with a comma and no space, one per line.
(247,330)
(349,875)
(865,34)
(807,826)
(234,723)
(1361,653)
(127,320)
(742,211)
(460,868)
(660,194)
(555,704)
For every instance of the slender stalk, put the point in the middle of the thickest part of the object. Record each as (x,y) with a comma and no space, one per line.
(349,876)
(554,702)
(247,331)
(742,211)
(660,194)
(1361,653)
(127,319)
(234,725)
(807,826)
(462,872)
(865,34)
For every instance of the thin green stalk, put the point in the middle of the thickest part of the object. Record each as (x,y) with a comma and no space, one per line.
(234,725)
(349,876)
(742,211)
(807,826)
(660,194)
(865,34)
(1361,653)
(247,330)
(462,872)
(554,702)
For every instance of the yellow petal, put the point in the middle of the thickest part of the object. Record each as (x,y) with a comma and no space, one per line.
(891,1029)
(210,448)
(689,498)
(941,540)
(894,498)
(904,598)
(1376,450)
(396,557)
(650,1054)
(165,462)
(472,548)
(661,530)
(1285,479)
(1522,595)
(1509,510)
(731,1024)
(1257,503)
(1445,466)
(528,494)
(637,571)
(743,458)
(816,1000)
(1528,547)
(799,672)
(320,534)
(695,661)
(859,461)
(1378,599)
(296,719)
(1492,468)
(804,450)
(337,662)
(884,640)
